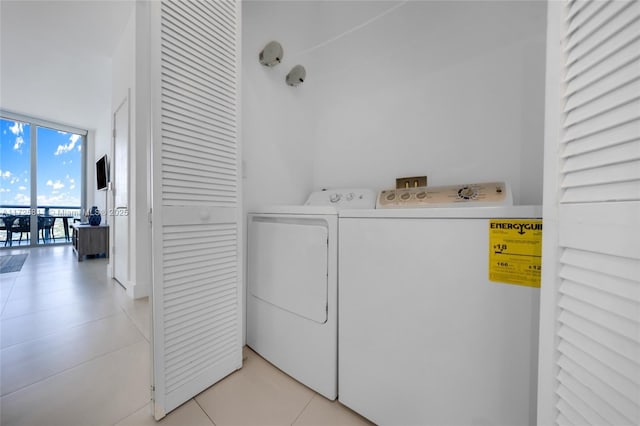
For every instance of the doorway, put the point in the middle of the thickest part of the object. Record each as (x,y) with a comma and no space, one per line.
(120,191)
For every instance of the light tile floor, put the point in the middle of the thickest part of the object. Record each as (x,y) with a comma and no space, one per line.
(74,351)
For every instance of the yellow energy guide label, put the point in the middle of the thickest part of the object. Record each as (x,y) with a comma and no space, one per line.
(515,251)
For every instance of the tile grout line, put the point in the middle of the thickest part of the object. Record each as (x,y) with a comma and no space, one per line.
(61,330)
(4,305)
(303,409)
(132,413)
(51,308)
(135,324)
(71,368)
(203,410)
(43,293)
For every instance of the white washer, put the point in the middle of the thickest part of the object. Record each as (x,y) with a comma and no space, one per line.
(292,277)
(424,336)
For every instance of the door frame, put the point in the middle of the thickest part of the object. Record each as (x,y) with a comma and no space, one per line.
(111,206)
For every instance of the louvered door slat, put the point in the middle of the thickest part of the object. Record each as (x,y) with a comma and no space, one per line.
(183,103)
(611,136)
(597,306)
(593,280)
(601,412)
(615,399)
(607,102)
(617,79)
(607,120)
(595,358)
(621,345)
(180,116)
(626,55)
(617,154)
(580,404)
(610,47)
(193,14)
(576,7)
(592,36)
(621,287)
(614,266)
(196,211)
(586,13)
(568,416)
(626,171)
(189,47)
(181,148)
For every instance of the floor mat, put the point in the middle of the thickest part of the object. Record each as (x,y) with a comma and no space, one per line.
(12,263)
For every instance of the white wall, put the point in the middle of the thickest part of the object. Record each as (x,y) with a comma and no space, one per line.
(55,65)
(63,89)
(130,79)
(277,131)
(453,90)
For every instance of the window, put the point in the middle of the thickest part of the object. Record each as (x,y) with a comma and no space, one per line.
(41,190)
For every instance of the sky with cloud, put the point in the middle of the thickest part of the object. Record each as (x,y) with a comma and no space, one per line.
(59,158)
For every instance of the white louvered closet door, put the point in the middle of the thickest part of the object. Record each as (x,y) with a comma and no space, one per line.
(590,351)
(196,201)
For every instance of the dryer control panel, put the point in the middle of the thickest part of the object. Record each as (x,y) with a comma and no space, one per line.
(475,194)
(344,198)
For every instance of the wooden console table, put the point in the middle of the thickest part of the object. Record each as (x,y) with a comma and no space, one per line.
(90,240)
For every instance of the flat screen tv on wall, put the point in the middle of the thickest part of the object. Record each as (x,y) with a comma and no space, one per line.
(102,172)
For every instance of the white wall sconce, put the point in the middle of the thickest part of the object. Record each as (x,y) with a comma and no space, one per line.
(296,76)
(271,55)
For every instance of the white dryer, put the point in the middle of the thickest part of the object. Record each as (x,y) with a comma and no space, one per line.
(292,277)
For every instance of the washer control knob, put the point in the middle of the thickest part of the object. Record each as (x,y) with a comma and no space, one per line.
(405,196)
(391,196)
(334,198)
(350,196)
(421,195)
(467,193)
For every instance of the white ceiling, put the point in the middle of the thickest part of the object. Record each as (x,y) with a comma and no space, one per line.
(55,58)
(80,27)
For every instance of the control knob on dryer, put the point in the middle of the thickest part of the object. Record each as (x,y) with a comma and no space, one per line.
(334,198)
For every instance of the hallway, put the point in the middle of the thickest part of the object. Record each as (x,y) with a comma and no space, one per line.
(75,351)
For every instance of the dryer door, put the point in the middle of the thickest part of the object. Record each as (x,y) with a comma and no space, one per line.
(288,265)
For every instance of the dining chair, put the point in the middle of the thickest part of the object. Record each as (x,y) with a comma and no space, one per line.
(22,224)
(45,225)
(6,224)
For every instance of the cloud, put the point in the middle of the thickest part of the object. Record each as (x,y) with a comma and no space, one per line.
(14,180)
(55,185)
(17,128)
(18,144)
(63,199)
(22,188)
(68,147)
(22,199)
(4,190)
(72,187)
(6,174)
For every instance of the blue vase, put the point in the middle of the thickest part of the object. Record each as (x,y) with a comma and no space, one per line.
(94,216)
